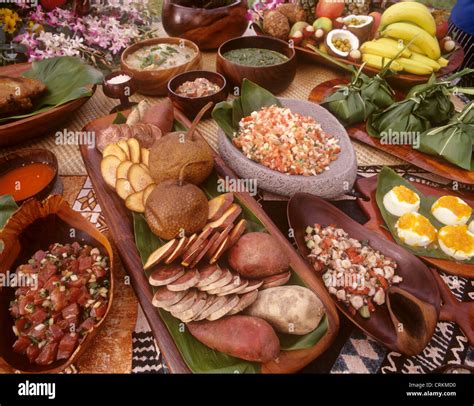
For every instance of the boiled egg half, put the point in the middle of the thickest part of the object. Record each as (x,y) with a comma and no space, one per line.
(451,210)
(457,241)
(401,200)
(415,230)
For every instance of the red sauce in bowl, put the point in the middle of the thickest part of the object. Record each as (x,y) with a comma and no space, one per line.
(26,181)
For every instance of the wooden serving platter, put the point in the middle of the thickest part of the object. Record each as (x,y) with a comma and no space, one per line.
(119,221)
(367,187)
(400,80)
(405,152)
(418,285)
(14,132)
(431,300)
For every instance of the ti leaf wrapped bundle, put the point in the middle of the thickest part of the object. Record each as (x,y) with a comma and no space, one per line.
(426,106)
(400,117)
(346,103)
(453,141)
(377,94)
(363,96)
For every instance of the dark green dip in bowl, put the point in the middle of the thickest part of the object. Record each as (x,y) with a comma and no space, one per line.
(255,57)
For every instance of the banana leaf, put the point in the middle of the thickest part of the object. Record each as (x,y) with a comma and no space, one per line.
(198,357)
(399,119)
(426,105)
(454,141)
(67,78)
(435,105)
(388,179)
(357,101)
(7,207)
(252,98)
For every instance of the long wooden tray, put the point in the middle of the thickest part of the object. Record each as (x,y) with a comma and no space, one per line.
(407,153)
(367,187)
(119,221)
(399,80)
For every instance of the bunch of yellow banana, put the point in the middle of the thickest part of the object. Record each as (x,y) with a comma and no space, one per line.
(406,22)
(409,12)
(376,61)
(386,47)
(420,38)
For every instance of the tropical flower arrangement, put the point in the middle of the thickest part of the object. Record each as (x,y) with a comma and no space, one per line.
(98,37)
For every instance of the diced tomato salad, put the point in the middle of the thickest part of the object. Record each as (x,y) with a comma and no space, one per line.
(286,142)
(70,296)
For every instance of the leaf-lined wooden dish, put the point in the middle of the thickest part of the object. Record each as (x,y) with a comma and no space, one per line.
(197,356)
(34,226)
(52,109)
(406,152)
(415,302)
(179,351)
(369,190)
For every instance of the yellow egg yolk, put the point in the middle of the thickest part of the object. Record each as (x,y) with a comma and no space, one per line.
(457,238)
(405,195)
(459,209)
(418,224)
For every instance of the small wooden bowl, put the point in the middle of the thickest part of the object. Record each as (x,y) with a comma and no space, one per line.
(190,106)
(274,78)
(208,28)
(119,90)
(34,226)
(154,82)
(26,157)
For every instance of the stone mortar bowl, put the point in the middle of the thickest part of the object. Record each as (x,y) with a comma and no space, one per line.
(334,182)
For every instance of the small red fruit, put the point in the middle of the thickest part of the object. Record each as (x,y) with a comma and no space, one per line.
(377,17)
(447,44)
(308,31)
(442,30)
(297,37)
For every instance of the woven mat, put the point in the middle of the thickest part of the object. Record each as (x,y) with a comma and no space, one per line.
(307,77)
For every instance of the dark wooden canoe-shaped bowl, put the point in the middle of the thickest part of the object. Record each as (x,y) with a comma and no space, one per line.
(399,80)
(26,157)
(14,132)
(208,28)
(424,161)
(275,78)
(367,187)
(413,304)
(119,221)
(34,226)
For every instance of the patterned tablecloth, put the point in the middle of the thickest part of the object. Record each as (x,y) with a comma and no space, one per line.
(125,344)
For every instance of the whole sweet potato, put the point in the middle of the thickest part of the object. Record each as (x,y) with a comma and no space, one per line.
(245,337)
(258,255)
(161,115)
(289,309)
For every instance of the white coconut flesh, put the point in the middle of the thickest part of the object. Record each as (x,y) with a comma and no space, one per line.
(363,20)
(342,34)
